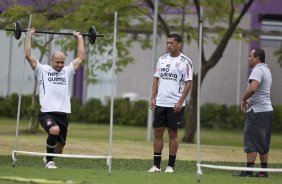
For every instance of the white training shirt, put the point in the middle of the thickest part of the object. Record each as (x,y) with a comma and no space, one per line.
(260,101)
(54,95)
(172,73)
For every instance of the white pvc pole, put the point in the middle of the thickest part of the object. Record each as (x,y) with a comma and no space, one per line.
(155,28)
(20,94)
(10,65)
(199,171)
(239,70)
(109,161)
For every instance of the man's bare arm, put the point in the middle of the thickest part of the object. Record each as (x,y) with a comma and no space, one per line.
(80,50)
(28,55)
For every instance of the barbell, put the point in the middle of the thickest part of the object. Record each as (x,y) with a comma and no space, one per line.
(92,35)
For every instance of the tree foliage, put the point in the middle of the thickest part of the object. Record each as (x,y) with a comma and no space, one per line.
(278,53)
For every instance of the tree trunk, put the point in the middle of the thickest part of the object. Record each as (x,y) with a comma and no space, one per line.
(191,125)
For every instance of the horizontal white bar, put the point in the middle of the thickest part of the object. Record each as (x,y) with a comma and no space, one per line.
(240,168)
(59,155)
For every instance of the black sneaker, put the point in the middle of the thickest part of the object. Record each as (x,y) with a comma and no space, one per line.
(262,175)
(244,174)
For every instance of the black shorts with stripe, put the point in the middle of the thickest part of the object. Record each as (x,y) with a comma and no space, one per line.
(50,119)
(165,117)
(257,132)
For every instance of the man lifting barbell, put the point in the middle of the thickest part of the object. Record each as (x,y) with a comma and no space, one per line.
(54,94)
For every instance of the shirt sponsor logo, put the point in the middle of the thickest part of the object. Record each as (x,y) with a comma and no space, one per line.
(56,79)
(165,74)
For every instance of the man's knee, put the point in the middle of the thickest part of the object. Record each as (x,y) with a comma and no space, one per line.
(158,132)
(172,133)
(55,130)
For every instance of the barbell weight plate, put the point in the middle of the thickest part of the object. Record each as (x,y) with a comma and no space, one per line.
(92,35)
(18,30)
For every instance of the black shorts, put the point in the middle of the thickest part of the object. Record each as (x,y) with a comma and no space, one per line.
(257,132)
(49,119)
(165,117)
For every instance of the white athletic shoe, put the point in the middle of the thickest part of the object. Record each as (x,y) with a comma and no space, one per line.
(169,169)
(154,169)
(50,164)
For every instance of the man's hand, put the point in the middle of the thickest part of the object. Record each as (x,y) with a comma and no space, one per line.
(152,104)
(244,106)
(76,34)
(177,107)
(31,31)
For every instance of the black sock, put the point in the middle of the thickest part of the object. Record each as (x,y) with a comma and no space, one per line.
(171,160)
(250,164)
(157,159)
(263,165)
(51,145)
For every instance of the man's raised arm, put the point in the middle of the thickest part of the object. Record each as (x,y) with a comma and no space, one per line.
(80,50)
(30,58)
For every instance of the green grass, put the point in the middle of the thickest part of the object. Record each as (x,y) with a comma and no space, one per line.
(125,171)
(79,130)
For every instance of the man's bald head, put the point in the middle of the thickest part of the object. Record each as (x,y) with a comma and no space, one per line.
(58,60)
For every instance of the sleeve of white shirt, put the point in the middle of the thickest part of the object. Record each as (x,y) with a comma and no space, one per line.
(189,72)
(37,68)
(256,75)
(70,69)
(157,69)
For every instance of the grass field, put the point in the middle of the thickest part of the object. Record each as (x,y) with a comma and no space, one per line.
(132,156)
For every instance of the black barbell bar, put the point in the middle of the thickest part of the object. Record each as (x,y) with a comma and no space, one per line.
(92,35)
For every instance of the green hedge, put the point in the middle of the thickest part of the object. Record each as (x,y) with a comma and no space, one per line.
(221,116)
(9,106)
(134,113)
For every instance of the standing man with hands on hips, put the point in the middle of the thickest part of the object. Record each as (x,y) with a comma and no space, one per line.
(54,95)
(171,85)
(256,104)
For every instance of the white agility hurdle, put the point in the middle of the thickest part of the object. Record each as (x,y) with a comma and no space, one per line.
(234,168)
(109,156)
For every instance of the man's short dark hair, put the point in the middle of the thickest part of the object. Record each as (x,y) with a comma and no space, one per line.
(176,36)
(260,54)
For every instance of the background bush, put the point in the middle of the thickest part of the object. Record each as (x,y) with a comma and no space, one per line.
(134,113)
(221,116)
(277,118)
